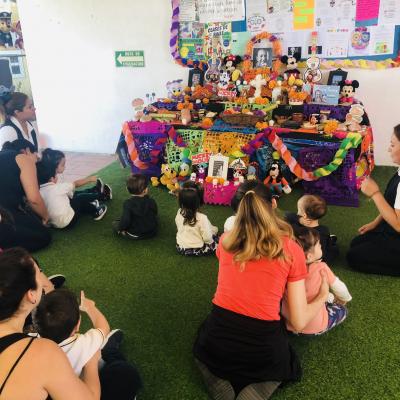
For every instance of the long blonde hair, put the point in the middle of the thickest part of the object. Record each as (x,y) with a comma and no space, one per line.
(257,231)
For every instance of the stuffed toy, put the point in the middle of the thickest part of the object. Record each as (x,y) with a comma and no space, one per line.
(313,74)
(230,63)
(139,107)
(19,41)
(291,65)
(175,90)
(224,79)
(353,119)
(347,91)
(184,168)
(5,28)
(168,178)
(275,181)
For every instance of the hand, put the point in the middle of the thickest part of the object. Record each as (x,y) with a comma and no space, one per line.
(369,187)
(366,228)
(324,288)
(92,179)
(86,304)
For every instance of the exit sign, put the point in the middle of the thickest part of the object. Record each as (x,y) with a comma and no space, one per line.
(129,58)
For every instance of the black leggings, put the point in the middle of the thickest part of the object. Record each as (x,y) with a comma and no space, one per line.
(27,232)
(375,253)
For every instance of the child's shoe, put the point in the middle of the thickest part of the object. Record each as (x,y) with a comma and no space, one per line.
(57,280)
(99,185)
(95,203)
(107,192)
(100,212)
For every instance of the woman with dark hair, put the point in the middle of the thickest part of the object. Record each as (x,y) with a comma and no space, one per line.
(20,197)
(377,249)
(30,367)
(19,112)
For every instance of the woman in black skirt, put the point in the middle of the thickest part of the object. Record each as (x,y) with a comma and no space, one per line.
(377,249)
(242,349)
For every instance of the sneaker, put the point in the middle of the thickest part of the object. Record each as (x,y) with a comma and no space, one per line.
(99,185)
(333,240)
(100,212)
(107,192)
(57,280)
(95,203)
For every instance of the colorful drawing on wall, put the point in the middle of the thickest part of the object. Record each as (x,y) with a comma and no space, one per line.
(222,47)
(360,38)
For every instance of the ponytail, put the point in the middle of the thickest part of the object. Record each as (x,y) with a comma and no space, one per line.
(257,231)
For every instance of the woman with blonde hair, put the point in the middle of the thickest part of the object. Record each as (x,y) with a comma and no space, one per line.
(242,349)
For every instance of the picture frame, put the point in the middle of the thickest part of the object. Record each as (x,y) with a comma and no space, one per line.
(262,57)
(218,166)
(196,77)
(326,94)
(336,76)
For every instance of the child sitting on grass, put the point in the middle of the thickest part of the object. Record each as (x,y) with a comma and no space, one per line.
(63,203)
(139,215)
(334,311)
(310,209)
(58,318)
(259,188)
(196,236)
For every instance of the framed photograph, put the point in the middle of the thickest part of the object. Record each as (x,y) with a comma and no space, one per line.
(218,166)
(196,77)
(337,76)
(262,57)
(326,94)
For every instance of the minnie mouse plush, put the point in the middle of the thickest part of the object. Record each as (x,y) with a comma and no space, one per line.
(291,65)
(230,63)
(347,91)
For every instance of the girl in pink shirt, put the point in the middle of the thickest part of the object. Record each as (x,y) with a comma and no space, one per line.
(333,312)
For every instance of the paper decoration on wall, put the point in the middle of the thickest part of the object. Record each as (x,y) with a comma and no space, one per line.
(222,46)
(303,14)
(279,15)
(367,12)
(256,16)
(187,10)
(221,10)
(389,12)
(337,13)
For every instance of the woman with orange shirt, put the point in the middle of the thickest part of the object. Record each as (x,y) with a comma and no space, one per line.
(242,349)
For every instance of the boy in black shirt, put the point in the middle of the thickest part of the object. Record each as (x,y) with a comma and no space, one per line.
(139,216)
(311,208)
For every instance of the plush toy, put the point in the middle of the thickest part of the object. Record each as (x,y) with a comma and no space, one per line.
(168,178)
(224,79)
(353,119)
(175,90)
(201,173)
(291,65)
(5,28)
(19,41)
(230,63)
(252,171)
(275,180)
(139,107)
(347,91)
(184,168)
(313,74)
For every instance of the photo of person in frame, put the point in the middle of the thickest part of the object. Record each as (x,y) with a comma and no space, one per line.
(262,57)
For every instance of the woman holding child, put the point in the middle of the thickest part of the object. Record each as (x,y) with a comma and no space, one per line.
(22,222)
(242,348)
(30,367)
(377,249)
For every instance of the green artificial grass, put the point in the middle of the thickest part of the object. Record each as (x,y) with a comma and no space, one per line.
(159,298)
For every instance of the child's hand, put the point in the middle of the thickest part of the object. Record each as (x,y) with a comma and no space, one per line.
(366,228)
(86,304)
(324,288)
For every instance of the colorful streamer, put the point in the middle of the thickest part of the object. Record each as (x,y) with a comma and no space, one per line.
(361,64)
(352,140)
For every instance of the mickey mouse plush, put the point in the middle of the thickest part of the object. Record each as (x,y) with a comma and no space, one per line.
(291,65)
(347,91)
(230,63)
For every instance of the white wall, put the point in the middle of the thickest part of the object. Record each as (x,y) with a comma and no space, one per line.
(82,98)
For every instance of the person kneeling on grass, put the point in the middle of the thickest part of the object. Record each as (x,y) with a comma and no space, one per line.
(196,236)
(63,203)
(58,318)
(139,216)
(333,312)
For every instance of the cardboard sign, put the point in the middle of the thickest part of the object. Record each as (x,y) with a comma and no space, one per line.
(201,158)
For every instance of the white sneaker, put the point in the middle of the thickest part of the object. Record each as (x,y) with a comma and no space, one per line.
(100,212)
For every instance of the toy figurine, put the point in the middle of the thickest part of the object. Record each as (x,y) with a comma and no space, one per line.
(347,91)
(291,66)
(276,182)
(313,74)
(230,63)
(175,90)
